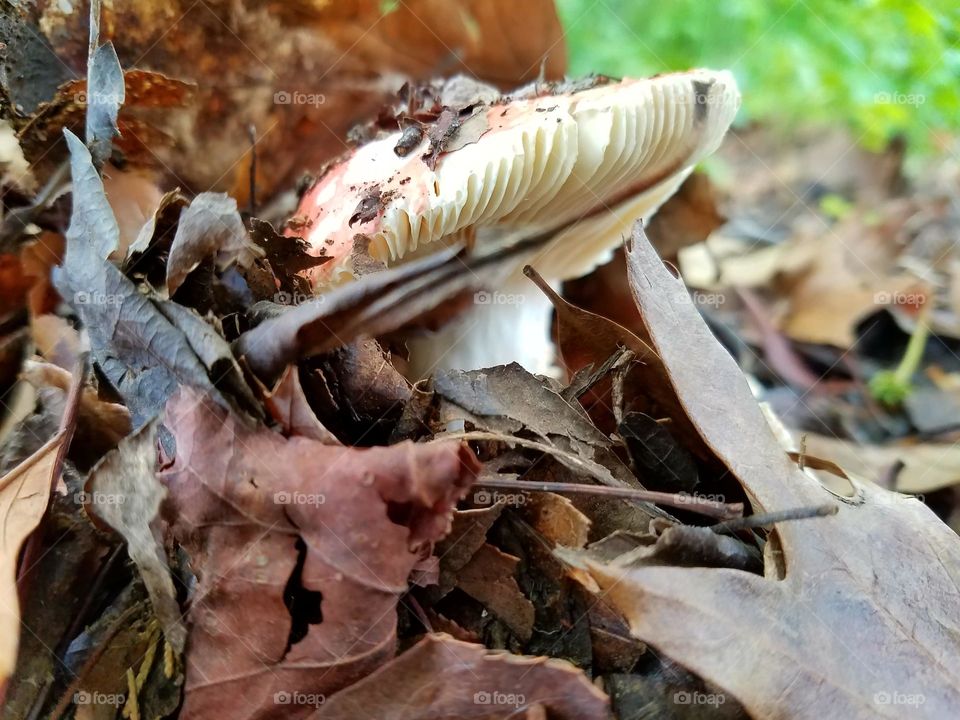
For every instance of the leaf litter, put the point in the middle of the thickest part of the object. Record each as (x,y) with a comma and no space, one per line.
(260,516)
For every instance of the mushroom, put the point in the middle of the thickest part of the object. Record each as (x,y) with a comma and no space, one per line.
(585,163)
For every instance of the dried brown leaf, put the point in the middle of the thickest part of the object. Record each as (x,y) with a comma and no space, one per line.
(830,629)
(301,72)
(926,466)
(442,678)
(556,518)
(123,492)
(489,579)
(302,550)
(287,405)
(24,493)
(467,535)
(210,227)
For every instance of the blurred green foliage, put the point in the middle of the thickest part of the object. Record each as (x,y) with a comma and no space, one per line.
(884,67)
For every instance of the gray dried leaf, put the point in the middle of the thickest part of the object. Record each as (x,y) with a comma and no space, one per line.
(142,353)
(123,491)
(211,227)
(105,94)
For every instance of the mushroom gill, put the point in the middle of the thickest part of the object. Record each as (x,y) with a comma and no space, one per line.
(582,163)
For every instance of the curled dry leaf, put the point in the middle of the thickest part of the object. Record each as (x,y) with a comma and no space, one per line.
(358,391)
(830,629)
(287,404)
(656,454)
(584,337)
(444,678)
(101,425)
(685,219)
(145,348)
(468,533)
(587,338)
(376,304)
(507,398)
(135,200)
(211,227)
(105,91)
(124,493)
(302,551)
(926,466)
(24,493)
(557,519)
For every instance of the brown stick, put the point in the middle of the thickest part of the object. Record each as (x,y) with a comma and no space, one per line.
(694,503)
(764,519)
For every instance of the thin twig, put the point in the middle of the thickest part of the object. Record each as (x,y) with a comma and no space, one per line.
(420,613)
(597,471)
(79,620)
(252,134)
(119,624)
(68,422)
(764,519)
(703,506)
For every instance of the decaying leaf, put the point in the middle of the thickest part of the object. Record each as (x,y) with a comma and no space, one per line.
(296,70)
(105,90)
(585,337)
(24,493)
(926,466)
(686,218)
(357,391)
(831,627)
(489,579)
(144,352)
(507,398)
(302,550)
(656,455)
(287,405)
(444,678)
(468,533)
(101,425)
(123,492)
(376,304)
(210,227)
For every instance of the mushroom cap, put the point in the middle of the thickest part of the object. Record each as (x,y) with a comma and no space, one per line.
(587,163)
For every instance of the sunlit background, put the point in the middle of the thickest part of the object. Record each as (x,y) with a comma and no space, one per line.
(882,67)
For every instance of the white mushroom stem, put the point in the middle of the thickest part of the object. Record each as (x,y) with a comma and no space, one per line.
(513,324)
(508,325)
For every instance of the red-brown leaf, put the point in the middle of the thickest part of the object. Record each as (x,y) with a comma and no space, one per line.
(269,522)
